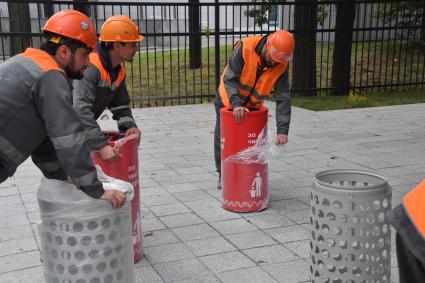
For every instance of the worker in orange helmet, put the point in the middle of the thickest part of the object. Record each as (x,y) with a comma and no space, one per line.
(257,65)
(36,114)
(408,218)
(103,85)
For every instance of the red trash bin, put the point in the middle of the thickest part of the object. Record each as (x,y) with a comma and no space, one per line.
(125,168)
(244,183)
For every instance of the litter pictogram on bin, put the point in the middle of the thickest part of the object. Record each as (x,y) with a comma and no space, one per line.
(256,186)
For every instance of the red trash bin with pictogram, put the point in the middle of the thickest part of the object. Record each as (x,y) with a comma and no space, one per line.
(125,168)
(244,175)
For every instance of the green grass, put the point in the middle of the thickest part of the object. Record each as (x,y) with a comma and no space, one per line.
(165,74)
(172,76)
(321,103)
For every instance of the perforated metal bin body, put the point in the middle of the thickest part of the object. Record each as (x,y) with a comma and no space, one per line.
(350,235)
(83,240)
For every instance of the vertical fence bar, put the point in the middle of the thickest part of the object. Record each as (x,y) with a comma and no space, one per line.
(394,47)
(147,56)
(382,19)
(400,49)
(171,53)
(225,29)
(233,25)
(155,44)
(240,21)
(132,68)
(356,38)
(321,52)
(185,53)
(164,101)
(328,90)
(200,55)
(3,50)
(407,52)
(139,65)
(208,54)
(178,56)
(388,47)
(419,57)
(217,42)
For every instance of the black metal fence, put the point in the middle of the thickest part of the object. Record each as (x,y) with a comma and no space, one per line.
(365,45)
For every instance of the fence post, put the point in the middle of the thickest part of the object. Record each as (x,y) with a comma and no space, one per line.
(194,35)
(217,42)
(80,5)
(341,67)
(48,8)
(304,68)
(20,22)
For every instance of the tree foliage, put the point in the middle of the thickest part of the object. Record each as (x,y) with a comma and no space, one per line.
(260,13)
(406,14)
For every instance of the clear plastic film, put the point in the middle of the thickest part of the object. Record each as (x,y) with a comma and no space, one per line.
(264,150)
(110,183)
(83,239)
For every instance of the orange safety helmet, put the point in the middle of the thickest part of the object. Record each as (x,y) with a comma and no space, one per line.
(120,29)
(74,25)
(280,46)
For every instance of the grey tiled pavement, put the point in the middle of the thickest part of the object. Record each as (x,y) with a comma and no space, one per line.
(188,236)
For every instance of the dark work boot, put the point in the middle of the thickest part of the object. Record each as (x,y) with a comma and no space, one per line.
(219,184)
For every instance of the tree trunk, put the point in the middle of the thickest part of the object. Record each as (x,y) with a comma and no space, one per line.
(19,19)
(304,69)
(194,36)
(341,67)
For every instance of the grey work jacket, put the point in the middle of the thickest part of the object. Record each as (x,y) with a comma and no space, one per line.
(37,120)
(283,98)
(92,97)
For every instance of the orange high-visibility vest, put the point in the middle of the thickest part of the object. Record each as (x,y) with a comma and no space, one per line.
(414,204)
(42,59)
(105,78)
(253,89)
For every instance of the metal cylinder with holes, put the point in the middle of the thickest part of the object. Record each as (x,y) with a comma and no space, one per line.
(350,235)
(83,240)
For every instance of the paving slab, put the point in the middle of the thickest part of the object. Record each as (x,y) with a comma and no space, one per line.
(182,270)
(167,253)
(234,226)
(246,275)
(147,274)
(180,220)
(210,246)
(289,272)
(227,261)
(270,254)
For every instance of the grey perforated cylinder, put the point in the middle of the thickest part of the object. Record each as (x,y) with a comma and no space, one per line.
(83,240)
(350,236)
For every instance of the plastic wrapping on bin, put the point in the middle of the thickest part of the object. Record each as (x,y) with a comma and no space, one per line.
(83,239)
(264,150)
